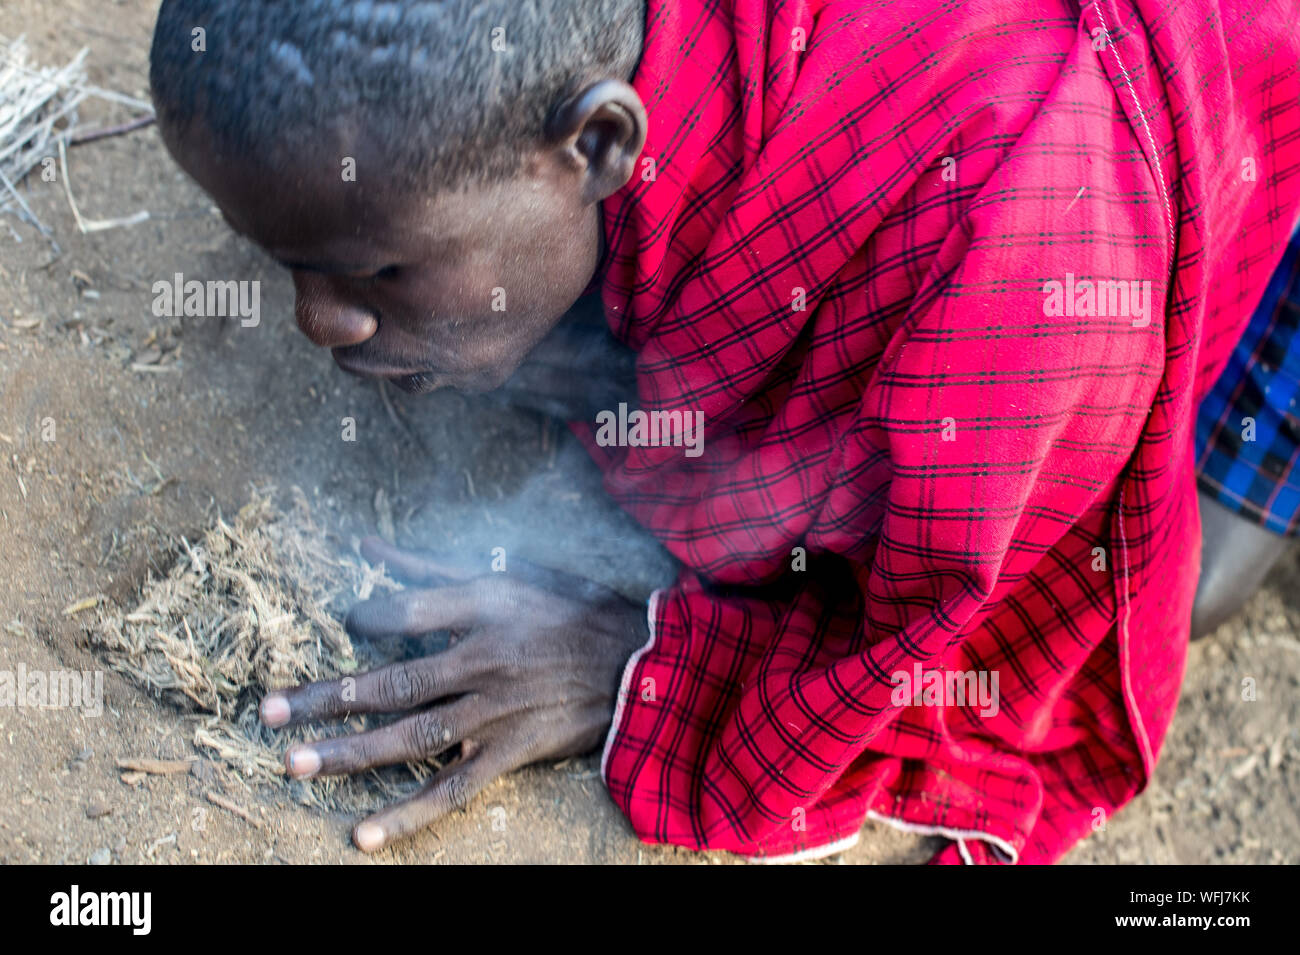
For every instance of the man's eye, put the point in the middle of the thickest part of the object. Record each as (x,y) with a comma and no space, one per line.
(388,272)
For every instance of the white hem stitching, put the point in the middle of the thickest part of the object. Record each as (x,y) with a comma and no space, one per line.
(621,700)
(803,855)
(816,852)
(958,835)
(1146,127)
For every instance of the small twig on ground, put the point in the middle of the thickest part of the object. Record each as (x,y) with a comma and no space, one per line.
(388,406)
(75,608)
(229,805)
(90,135)
(155,767)
(92,225)
(41,227)
(398,420)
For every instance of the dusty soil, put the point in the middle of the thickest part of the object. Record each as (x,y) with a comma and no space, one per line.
(140,456)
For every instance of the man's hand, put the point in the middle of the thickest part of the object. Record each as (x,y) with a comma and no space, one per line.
(533,677)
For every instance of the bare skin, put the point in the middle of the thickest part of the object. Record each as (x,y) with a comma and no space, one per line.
(1236,556)
(533,678)
(452,287)
(409,287)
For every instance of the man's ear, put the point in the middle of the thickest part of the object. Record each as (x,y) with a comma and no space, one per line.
(602,129)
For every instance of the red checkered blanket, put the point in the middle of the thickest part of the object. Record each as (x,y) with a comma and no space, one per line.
(947,282)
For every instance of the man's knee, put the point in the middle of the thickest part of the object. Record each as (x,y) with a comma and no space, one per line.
(1236,556)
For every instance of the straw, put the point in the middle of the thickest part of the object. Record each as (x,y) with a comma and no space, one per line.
(254,606)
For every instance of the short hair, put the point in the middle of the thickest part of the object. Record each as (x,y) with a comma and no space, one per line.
(450,92)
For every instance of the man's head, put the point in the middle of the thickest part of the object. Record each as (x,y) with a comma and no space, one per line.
(431,172)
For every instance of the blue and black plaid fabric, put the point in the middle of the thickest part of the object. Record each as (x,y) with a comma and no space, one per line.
(1247,431)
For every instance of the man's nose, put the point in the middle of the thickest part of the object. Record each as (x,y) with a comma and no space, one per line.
(328,318)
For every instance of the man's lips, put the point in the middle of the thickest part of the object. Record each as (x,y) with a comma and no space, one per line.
(371,369)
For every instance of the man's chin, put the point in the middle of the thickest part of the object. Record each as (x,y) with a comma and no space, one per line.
(421,383)
(417,384)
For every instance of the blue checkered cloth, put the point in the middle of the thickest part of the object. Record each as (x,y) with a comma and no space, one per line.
(1255,473)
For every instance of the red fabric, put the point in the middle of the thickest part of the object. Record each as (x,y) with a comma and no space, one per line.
(770,726)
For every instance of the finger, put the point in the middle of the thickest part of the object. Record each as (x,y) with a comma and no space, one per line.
(450,789)
(398,686)
(413,566)
(410,613)
(435,572)
(417,737)
(556,581)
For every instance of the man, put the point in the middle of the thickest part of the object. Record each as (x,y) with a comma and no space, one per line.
(944,285)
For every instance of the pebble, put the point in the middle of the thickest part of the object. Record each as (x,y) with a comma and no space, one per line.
(101,857)
(76,762)
(1275,753)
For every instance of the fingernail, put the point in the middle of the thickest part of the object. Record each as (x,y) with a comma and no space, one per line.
(275,710)
(368,836)
(303,761)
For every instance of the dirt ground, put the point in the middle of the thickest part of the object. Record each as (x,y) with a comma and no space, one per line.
(159,423)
